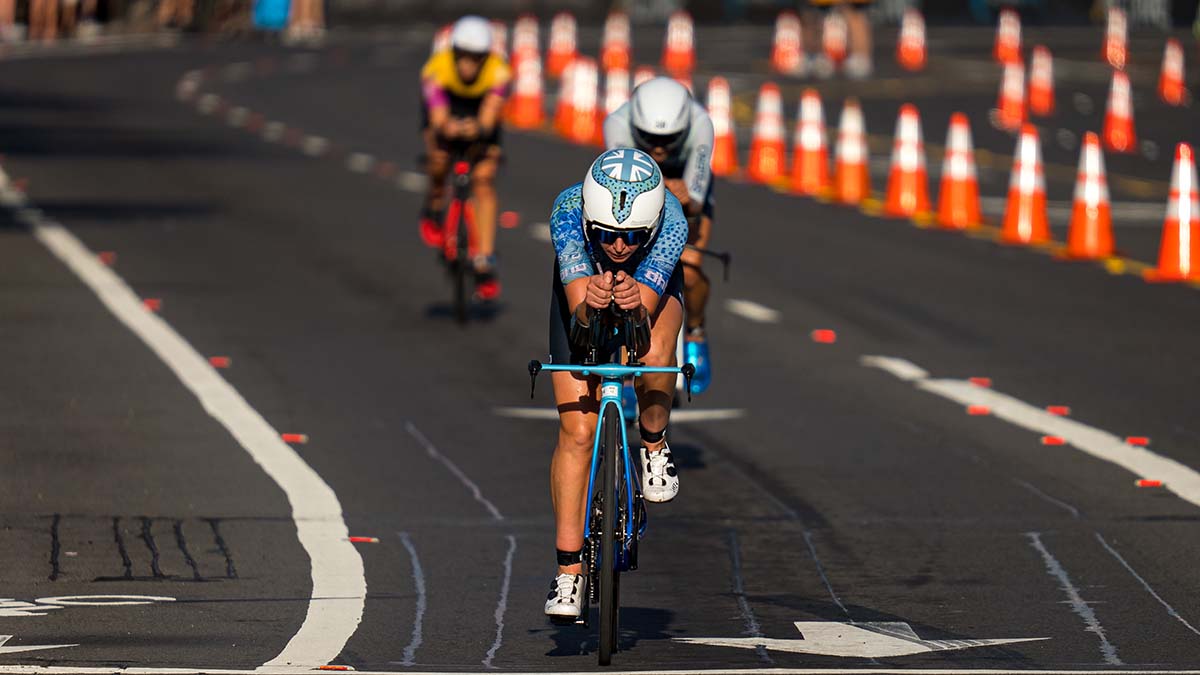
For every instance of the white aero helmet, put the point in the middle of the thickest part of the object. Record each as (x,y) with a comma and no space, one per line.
(623,191)
(472,34)
(660,113)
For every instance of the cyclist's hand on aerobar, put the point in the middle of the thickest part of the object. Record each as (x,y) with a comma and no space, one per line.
(625,292)
(599,290)
(468,129)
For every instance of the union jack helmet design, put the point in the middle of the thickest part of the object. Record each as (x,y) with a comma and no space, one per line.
(624,190)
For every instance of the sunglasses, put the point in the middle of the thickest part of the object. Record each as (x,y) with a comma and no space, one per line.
(604,235)
(664,141)
(473,56)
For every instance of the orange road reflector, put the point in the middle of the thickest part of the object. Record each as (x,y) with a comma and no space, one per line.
(152,304)
(1141,441)
(220,361)
(364,540)
(108,258)
(1148,483)
(1053,440)
(1179,252)
(824,336)
(978,410)
(985,382)
(509,219)
(298,439)
(1059,410)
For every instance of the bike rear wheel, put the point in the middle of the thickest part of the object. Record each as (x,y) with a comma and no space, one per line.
(459,269)
(610,578)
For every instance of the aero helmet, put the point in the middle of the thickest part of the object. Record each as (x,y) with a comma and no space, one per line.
(660,113)
(623,191)
(472,34)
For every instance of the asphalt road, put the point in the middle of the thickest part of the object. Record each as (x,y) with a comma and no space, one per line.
(816,487)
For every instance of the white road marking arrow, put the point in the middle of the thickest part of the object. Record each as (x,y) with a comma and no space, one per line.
(25,648)
(865,640)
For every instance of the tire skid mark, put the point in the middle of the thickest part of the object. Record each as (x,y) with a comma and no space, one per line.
(1047,498)
(502,604)
(1170,610)
(55,547)
(147,537)
(230,569)
(418,575)
(121,550)
(181,542)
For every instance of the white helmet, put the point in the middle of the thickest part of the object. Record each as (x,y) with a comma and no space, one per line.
(623,190)
(660,113)
(472,34)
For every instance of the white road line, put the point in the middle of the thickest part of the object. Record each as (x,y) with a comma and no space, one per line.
(685,416)
(207,103)
(905,370)
(541,232)
(502,605)
(739,591)
(273,131)
(314,146)
(419,584)
(1170,610)
(1142,462)
(411,181)
(453,468)
(1080,606)
(339,586)
(748,309)
(193,670)
(237,116)
(360,162)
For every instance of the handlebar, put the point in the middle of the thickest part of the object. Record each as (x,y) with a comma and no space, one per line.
(611,370)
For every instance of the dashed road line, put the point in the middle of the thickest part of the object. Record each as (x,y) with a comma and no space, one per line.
(360,162)
(1142,462)
(1081,607)
(314,146)
(753,311)
(412,181)
(541,232)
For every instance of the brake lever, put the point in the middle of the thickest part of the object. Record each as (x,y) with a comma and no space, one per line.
(688,371)
(535,367)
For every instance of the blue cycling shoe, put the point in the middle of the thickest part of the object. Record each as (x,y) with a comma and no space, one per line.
(629,403)
(695,352)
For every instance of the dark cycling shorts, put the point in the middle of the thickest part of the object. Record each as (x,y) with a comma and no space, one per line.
(560,316)
(495,138)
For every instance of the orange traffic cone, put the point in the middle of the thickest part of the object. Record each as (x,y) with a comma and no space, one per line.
(1025,217)
(1010,109)
(500,39)
(525,109)
(1116,38)
(787,52)
(834,37)
(616,89)
(564,108)
(642,74)
(679,53)
(720,110)
(766,143)
(810,161)
(562,44)
(910,48)
(1090,236)
(582,126)
(1008,37)
(525,41)
(1041,82)
(958,200)
(1119,135)
(1170,83)
(907,192)
(1179,255)
(851,173)
(614,48)
(441,39)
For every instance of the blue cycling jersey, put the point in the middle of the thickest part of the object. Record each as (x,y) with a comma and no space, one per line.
(574,251)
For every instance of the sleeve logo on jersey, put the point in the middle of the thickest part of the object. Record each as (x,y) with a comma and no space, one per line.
(627,165)
(655,278)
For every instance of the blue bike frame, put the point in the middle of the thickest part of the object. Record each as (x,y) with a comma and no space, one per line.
(611,378)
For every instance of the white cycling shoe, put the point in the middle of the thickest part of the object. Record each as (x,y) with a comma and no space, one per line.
(660,482)
(565,600)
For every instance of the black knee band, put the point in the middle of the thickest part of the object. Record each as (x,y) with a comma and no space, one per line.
(651,437)
(566,558)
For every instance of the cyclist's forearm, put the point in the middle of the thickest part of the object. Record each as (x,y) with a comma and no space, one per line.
(489,113)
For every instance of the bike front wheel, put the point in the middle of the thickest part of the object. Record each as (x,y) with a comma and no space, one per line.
(610,579)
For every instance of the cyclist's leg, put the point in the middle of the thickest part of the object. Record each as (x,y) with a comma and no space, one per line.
(437,165)
(696,286)
(483,185)
(577,413)
(656,390)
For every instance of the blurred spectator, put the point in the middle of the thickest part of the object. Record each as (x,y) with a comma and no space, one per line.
(858,64)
